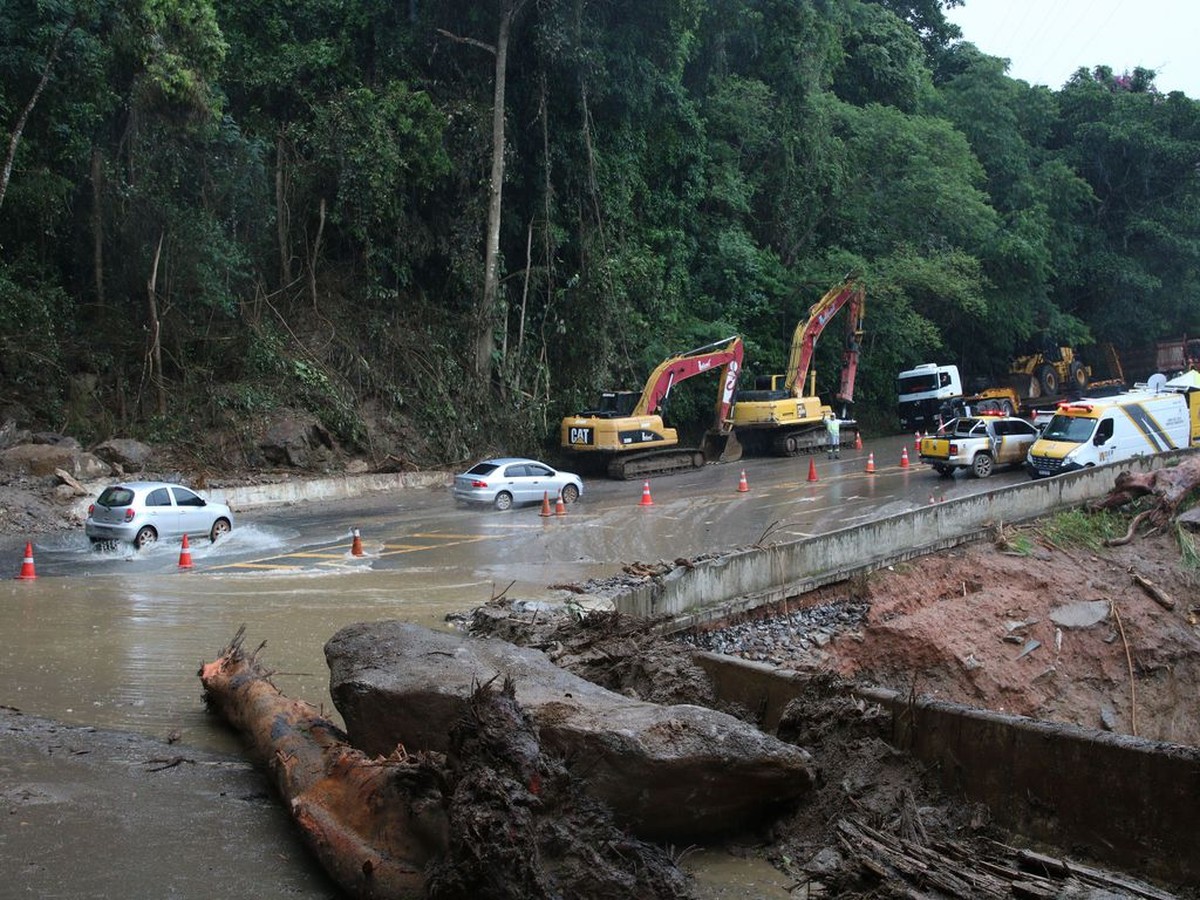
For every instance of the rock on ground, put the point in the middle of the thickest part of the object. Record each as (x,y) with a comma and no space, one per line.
(667,772)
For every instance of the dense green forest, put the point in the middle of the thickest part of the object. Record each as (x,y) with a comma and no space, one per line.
(440,226)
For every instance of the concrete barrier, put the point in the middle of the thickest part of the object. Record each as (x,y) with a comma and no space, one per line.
(748,578)
(288,490)
(1128,802)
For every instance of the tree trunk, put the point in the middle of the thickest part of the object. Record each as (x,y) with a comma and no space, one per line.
(14,139)
(281,216)
(316,252)
(373,823)
(484,343)
(97,227)
(155,350)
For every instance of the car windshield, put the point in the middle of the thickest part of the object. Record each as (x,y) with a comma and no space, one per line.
(483,468)
(1069,428)
(115,496)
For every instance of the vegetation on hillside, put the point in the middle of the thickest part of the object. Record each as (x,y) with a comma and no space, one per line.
(445,225)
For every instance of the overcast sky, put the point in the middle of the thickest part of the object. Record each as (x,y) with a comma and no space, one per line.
(1047,40)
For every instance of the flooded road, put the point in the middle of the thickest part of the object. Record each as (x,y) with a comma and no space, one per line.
(114,639)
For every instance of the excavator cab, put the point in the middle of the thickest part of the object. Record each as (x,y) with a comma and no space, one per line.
(615,405)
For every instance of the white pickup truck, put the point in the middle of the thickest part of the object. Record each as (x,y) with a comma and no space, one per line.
(978,443)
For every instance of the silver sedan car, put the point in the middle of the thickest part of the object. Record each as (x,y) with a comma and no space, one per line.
(141,512)
(510,480)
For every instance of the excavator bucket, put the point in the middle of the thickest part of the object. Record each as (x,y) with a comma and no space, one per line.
(719,447)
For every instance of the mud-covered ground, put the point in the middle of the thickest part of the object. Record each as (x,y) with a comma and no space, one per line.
(1025,623)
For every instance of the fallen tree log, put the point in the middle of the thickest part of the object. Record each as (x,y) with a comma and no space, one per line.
(1169,487)
(373,824)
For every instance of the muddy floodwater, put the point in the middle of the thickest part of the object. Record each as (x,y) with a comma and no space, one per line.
(113,641)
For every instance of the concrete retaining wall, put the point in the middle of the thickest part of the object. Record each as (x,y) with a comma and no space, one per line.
(749,578)
(334,487)
(1130,803)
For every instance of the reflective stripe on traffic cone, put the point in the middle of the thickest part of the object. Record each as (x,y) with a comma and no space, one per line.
(560,508)
(545,513)
(858,440)
(870,462)
(904,458)
(812,470)
(185,554)
(27,570)
(742,485)
(356,544)
(646,499)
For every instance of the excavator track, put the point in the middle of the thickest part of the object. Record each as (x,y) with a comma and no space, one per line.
(813,439)
(657,462)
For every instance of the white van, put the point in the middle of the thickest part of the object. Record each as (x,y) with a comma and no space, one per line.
(1092,432)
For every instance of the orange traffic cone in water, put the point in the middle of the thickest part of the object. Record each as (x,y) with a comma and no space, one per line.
(904,458)
(545,513)
(742,485)
(560,508)
(646,499)
(27,571)
(812,470)
(356,544)
(858,440)
(870,462)
(185,554)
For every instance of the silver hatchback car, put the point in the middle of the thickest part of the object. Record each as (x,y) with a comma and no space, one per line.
(510,480)
(141,512)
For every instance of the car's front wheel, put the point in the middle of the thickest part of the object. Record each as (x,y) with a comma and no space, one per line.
(146,535)
(982,465)
(570,493)
(220,527)
(503,501)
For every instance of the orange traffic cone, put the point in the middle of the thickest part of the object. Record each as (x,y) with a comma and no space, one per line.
(742,485)
(916,442)
(545,513)
(185,554)
(27,571)
(904,458)
(356,544)
(870,462)
(560,508)
(646,499)
(812,470)
(858,440)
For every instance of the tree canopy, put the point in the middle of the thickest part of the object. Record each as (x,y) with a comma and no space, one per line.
(253,205)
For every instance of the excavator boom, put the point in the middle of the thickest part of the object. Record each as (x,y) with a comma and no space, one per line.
(789,418)
(804,340)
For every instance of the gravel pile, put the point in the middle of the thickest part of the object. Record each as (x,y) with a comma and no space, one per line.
(782,639)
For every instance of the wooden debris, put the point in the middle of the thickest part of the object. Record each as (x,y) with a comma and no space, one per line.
(1157,594)
(911,868)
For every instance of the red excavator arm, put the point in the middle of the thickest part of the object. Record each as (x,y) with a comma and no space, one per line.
(726,353)
(804,340)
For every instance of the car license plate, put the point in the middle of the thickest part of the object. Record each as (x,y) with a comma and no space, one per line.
(1043,472)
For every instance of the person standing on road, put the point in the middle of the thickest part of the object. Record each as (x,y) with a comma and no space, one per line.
(834,428)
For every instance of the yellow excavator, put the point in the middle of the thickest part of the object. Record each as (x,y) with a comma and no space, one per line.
(785,416)
(625,432)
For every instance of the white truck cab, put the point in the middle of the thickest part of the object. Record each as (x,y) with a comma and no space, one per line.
(923,391)
(1093,432)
